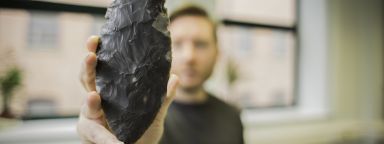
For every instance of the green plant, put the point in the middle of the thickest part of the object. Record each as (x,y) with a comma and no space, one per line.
(8,84)
(232,74)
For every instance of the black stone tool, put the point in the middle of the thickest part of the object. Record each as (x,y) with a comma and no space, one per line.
(133,64)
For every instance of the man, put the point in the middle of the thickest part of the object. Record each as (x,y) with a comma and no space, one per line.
(195,117)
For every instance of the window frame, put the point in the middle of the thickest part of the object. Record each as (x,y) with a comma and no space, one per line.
(228,22)
(311,75)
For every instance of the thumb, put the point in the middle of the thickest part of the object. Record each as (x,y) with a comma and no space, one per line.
(171,92)
(171,89)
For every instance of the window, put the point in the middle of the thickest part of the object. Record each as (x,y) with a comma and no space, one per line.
(312,70)
(273,62)
(258,53)
(43,30)
(259,63)
(48,47)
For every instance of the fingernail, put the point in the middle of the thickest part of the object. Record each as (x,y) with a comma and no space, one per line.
(95,39)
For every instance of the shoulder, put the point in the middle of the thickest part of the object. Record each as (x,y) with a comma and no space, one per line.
(223,106)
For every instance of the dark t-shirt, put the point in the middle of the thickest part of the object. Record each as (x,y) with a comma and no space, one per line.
(211,122)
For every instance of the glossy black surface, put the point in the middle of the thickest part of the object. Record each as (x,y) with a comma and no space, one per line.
(134,59)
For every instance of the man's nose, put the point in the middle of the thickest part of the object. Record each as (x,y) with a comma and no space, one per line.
(189,53)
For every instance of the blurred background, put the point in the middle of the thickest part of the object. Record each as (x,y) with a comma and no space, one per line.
(302,71)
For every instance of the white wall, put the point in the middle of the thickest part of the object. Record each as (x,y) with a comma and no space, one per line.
(355,82)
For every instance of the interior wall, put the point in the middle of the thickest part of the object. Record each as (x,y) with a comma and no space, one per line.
(356,44)
(355,36)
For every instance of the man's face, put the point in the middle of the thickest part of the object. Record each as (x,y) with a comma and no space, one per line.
(194,50)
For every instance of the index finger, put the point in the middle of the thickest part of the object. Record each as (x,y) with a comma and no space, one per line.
(92,107)
(171,90)
(92,43)
(88,72)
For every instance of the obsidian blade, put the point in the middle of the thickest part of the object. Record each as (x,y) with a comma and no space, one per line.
(133,64)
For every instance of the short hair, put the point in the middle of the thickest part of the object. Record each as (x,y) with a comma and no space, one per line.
(192,10)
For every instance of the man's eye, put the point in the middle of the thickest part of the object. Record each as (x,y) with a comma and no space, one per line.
(176,45)
(201,44)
